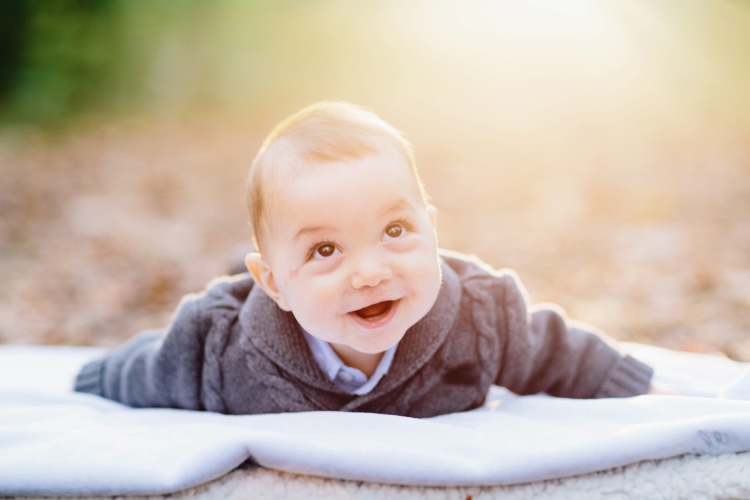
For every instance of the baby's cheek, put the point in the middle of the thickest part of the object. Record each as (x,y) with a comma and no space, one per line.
(311,316)
(422,262)
(320,299)
(324,267)
(402,245)
(426,276)
(293,273)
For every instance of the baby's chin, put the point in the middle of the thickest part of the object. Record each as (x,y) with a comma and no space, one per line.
(378,348)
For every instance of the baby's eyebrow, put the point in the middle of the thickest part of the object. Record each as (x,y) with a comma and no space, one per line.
(398,206)
(310,229)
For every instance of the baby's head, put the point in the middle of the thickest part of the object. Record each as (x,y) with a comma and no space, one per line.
(325,132)
(344,231)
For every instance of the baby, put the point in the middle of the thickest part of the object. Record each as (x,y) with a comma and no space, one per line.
(349,305)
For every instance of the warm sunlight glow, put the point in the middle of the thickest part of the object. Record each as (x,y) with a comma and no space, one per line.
(576,76)
(535,18)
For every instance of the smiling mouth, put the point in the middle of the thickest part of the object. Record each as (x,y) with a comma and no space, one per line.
(375,311)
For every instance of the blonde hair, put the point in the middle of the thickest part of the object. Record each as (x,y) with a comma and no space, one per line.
(329,131)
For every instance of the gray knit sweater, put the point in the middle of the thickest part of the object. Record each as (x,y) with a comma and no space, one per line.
(232,350)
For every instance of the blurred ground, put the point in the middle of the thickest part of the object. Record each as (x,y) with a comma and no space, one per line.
(106,227)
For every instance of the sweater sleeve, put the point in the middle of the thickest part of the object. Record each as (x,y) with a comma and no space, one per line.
(155,368)
(546,352)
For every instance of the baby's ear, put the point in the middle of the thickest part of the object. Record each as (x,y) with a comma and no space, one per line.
(432,213)
(263,276)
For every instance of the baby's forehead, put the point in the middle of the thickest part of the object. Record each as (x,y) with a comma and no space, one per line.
(353,202)
(294,163)
(303,180)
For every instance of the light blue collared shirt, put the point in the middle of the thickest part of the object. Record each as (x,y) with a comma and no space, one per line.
(346,378)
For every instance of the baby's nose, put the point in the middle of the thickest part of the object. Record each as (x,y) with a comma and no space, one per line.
(370,273)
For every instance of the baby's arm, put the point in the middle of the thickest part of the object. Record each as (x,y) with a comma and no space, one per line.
(545,352)
(154,369)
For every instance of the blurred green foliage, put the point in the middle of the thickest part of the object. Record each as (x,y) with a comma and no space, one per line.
(61,58)
(65,59)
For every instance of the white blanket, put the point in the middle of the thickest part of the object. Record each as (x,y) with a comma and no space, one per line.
(54,442)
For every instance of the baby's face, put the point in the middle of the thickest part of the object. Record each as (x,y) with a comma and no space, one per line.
(352,251)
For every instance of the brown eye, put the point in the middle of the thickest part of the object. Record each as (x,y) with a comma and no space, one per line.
(394,230)
(325,250)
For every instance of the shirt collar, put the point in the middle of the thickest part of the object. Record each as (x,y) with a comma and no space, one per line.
(346,378)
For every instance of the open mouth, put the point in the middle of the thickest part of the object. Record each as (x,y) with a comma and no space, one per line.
(375,311)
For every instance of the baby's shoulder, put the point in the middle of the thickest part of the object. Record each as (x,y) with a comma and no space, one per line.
(472,271)
(489,290)
(226,293)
